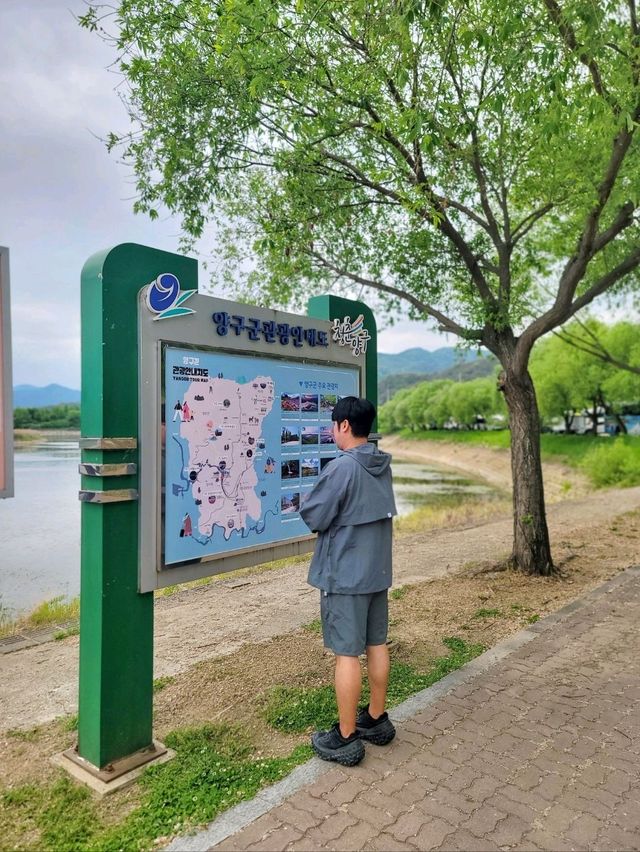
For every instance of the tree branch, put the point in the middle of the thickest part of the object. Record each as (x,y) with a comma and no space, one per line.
(523,228)
(630,263)
(462,208)
(595,349)
(569,37)
(560,313)
(446,323)
(576,266)
(623,220)
(444,224)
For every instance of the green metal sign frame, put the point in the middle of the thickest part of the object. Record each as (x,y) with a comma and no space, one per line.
(116,619)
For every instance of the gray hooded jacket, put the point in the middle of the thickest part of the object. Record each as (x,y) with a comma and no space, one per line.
(351,507)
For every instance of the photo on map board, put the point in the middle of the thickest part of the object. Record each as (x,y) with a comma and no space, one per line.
(290,502)
(310,467)
(309,402)
(290,402)
(290,469)
(326,434)
(290,435)
(327,402)
(310,434)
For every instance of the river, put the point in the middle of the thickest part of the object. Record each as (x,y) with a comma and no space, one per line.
(40,526)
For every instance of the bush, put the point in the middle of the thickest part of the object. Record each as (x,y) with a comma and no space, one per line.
(615,463)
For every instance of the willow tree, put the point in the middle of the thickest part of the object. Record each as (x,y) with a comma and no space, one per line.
(475,160)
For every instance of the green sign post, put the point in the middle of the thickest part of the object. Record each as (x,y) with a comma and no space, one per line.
(116,622)
(119,390)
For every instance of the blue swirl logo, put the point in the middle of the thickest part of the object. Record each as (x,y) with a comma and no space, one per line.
(163,297)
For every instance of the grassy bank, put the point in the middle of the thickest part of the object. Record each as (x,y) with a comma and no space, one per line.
(453,510)
(58,610)
(606,461)
(26,436)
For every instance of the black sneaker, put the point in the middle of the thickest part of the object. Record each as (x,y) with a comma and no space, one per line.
(378,731)
(331,745)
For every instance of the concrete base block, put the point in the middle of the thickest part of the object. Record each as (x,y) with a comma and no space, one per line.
(119,774)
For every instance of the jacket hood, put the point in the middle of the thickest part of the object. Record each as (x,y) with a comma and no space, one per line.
(373,460)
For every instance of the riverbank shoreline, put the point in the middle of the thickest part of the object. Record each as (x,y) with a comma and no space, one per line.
(22,436)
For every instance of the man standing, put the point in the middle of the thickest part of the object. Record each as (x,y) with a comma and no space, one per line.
(351,508)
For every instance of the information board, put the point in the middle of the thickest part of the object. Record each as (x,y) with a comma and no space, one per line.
(246,438)
(235,427)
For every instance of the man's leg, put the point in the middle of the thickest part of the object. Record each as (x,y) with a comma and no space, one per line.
(348,682)
(378,673)
(339,625)
(373,724)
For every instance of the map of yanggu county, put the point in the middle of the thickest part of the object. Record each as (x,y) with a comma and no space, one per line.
(246,438)
(221,422)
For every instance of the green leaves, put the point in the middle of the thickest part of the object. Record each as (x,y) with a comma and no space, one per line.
(322,139)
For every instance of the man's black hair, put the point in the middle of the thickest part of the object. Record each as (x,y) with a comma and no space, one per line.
(359,412)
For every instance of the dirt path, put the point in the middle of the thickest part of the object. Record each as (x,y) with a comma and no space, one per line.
(212,621)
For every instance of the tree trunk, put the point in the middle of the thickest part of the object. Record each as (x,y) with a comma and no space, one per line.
(531,548)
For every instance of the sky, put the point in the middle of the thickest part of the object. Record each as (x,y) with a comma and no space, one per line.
(63,196)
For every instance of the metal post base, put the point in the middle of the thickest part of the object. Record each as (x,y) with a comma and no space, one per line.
(115,776)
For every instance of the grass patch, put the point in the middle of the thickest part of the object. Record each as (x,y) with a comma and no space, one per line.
(453,510)
(26,436)
(614,462)
(500,438)
(215,767)
(397,594)
(314,626)
(297,708)
(63,634)
(54,611)
(159,683)
(487,613)
(28,735)
(70,723)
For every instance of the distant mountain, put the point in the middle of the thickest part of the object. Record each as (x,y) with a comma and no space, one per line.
(419,360)
(459,372)
(30,396)
(465,371)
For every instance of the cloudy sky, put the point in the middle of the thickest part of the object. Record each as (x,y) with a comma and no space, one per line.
(63,197)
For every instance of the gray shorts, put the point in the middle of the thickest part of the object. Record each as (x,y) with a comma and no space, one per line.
(351,622)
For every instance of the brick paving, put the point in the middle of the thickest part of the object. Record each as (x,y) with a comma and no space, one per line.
(540,751)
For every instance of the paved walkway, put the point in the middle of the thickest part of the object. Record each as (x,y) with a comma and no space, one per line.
(535,745)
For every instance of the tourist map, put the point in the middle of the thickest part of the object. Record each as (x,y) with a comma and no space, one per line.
(246,438)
